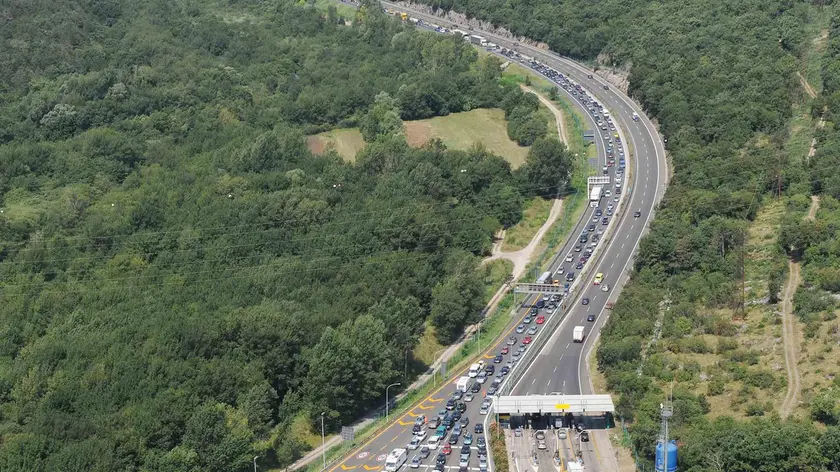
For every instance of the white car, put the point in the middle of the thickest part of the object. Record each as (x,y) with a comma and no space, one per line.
(415,443)
(433,442)
(570,258)
(562,434)
(421,435)
(605,288)
(608,194)
(468,397)
(482,377)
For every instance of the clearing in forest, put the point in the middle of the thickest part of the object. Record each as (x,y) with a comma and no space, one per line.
(457,131)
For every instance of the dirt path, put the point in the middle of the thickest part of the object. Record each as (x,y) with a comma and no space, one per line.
(522,257)
(562,129)
(805,85)
(794,379)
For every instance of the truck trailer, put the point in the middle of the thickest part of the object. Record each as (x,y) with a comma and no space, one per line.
(595,196)
(577,335)
(463,383)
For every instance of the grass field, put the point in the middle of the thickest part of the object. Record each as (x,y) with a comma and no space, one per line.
(464,130)
(457,131)
(533,217)
(347,142)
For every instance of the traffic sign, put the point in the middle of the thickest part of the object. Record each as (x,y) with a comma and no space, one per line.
(562,406)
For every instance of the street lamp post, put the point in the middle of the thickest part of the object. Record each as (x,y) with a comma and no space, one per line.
(434,372)
(323,442)
(386,399)
(255,463)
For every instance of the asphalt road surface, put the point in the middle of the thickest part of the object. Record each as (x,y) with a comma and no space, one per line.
(559,367)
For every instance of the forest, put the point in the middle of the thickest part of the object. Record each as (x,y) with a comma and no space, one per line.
(720,79)
(181,277)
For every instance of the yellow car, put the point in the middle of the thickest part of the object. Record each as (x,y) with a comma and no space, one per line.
(598,278)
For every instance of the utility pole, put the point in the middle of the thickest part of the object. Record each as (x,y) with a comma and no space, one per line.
(323,441)
(667,411)
(255,463)
(387,404)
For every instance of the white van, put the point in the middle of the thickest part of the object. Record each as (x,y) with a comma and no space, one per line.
(474,369)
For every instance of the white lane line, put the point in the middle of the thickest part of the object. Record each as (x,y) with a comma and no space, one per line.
(555,368)
(567,345)
(622,245)
(532,382)
(548,384)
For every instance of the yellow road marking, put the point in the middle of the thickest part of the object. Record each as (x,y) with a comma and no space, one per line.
(373,468)
(405,423)
(348,468)
(442,386)
(413,415)
(489,356)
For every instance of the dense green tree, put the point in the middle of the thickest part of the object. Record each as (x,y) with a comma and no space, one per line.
(548,167)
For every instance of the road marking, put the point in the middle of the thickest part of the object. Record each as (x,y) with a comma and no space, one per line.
(434,400)
(414,415)
(405,423)
(425,407)
(348,468)
(548,384)
(372,468)
(555,368)
(622,245)
(567,345)
(532,382)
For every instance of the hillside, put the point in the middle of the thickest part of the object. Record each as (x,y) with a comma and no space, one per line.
(182,279)
(722,79)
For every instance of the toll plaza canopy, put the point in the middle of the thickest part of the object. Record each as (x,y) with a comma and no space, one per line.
(520,405)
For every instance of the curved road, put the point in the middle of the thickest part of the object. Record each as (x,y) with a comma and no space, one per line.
(560,364)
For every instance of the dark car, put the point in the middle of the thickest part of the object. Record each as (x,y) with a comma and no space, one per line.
(540,303)
(490,369)
(584,301)
(450,404)
(579,266)
(479,429)
(492,390)
(505,370)
(637,214)
(440,467)
(424,452)
(598,212)
(591,227)
(476,387)
(453,439)
(456,415)
(462,407)
(466,450)
(590,318)
(498,359)
(465,422)
(417,428)
(441,459)
(480,441)
(457,395)
(605,220)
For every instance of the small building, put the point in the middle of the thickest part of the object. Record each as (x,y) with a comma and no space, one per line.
(589,136)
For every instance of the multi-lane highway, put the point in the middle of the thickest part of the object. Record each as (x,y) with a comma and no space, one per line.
(559,367)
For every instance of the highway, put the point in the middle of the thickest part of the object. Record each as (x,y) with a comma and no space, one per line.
(560,365)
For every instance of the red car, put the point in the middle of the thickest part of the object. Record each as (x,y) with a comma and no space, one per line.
(447,449)
(506,349)
(540,319)
(527,340)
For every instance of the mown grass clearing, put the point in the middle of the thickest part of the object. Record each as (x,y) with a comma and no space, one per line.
(427,346)
(464,130)
(346,142)
(533,217)
(457,131)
